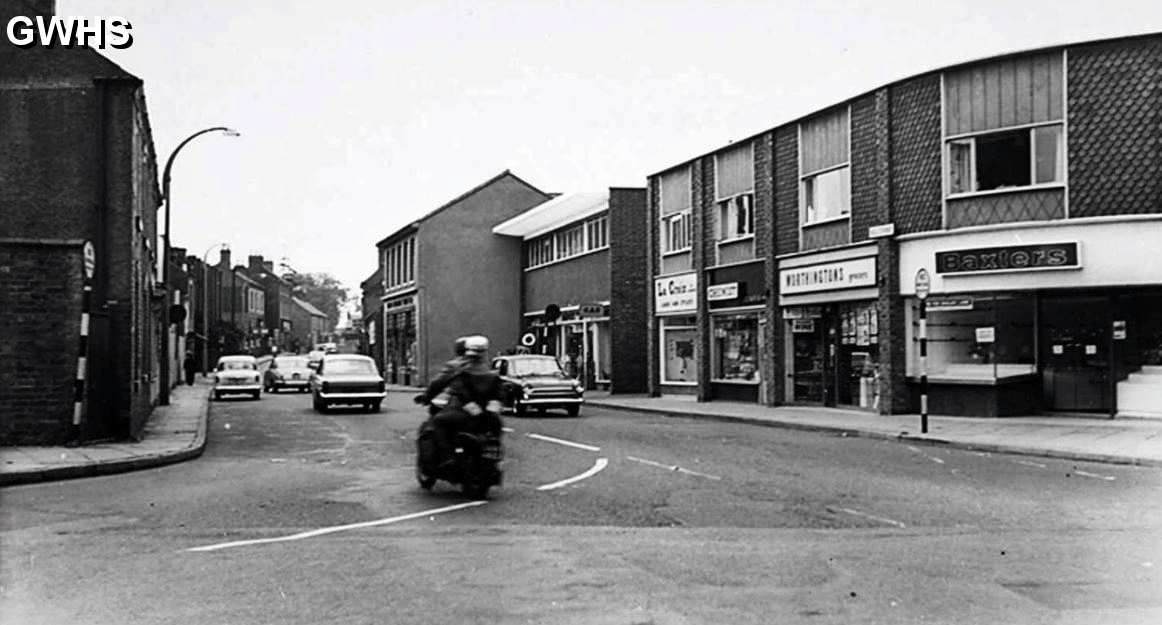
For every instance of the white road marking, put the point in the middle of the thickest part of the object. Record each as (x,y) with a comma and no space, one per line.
(914,448)
(550,439)
(1031,464)
(873,517)
(1108,478)
(935,459)
(594,470)
(507,429)
(673,467)
(338,528)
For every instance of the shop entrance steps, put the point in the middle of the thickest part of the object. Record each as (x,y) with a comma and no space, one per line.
(1140,395)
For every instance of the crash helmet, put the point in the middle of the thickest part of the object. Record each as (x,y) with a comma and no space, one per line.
(475,345)
(458,345)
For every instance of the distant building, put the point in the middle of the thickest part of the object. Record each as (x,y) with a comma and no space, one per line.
(309,326)
(447,274)
(78,167)
(372,306)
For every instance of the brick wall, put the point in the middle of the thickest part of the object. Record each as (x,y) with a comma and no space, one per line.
(915,154)
(38,342)
(703,232)
(786,174)
(1115,113)
(654,265)
(629,289)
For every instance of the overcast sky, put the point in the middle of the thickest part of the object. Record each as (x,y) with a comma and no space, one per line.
(359,116)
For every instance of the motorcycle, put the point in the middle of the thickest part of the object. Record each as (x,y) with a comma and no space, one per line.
(474,464)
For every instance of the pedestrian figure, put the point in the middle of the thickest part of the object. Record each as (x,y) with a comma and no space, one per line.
(189,365)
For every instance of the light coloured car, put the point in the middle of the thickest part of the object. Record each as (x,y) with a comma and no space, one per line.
(533,381)
(288,371)
(237,375)
(349,379)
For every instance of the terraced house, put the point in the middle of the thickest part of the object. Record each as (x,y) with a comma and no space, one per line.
(1027,186)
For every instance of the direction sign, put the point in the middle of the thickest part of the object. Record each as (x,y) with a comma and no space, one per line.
(90,254)
(923,283)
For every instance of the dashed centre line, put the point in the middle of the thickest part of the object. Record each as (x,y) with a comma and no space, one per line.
(1108,478)
(673,467)
(872,517)
(560,441)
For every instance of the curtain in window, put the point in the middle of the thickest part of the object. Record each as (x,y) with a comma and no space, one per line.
(960,167)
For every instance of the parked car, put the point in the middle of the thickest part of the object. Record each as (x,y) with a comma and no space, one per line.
(314,357)
(287,372)
(347,379)
(237,375)
(533,381)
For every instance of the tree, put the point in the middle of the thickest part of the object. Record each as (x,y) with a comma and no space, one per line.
(323,291)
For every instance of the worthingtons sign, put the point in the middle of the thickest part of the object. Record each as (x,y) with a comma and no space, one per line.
(69,32)
(844,274)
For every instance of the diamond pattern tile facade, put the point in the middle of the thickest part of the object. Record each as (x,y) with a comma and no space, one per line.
(1006,208)
(787,189)
(869,161)
(915,153)
(1115,127)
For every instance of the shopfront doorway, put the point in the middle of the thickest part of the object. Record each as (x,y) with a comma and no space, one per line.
(833,355)
(1075,353)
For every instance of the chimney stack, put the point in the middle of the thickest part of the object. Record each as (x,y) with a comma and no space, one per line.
(224,258)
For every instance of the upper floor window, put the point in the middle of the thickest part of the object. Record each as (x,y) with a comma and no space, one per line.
(399,263)
(570,242)
(734,192)
(825,167)
(675,199)
(1004,125)
(597,233)
(575,240)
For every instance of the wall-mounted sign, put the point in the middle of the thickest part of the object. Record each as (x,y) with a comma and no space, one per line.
(528,339)
(89,253)
(719,292)
(676,294)
(590,310)
(881,231)
(802,312)
(923,283)
(949,303)
(844,274)
(802,325)
(1010,258)
(1119,330)
(986,334)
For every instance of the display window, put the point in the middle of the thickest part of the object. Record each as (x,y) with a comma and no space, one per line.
(986,338)
(679,341)
(735,348)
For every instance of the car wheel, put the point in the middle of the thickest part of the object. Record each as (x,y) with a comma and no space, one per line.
(256,394)
(519,409)
(574,410)
(217,396)
(374,406)
(319,404)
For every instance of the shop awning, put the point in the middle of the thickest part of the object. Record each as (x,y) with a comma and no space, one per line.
(554,213)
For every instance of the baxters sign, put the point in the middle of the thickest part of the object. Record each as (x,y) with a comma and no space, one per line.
(676,294)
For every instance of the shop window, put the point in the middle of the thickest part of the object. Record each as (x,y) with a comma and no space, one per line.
(734,350)
(679,350)
(977,337)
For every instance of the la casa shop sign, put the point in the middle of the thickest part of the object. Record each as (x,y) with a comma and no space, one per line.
(676,293)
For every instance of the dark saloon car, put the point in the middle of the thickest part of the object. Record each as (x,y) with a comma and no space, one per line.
(347,379)
(532,381)
(287,372)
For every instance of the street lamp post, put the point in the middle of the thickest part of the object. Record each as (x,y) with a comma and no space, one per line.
(164,376)
(206,305)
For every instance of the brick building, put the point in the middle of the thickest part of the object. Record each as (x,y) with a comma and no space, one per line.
(568,303)
(78,166)
(1028,186)
(446,275)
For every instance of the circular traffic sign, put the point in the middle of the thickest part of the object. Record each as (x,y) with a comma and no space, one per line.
(528,339)
(923,283)
(90,254)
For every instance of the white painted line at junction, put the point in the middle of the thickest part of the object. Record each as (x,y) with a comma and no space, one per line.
(935,459)
(550,439)
(1031,464)
(594,470)
(673,467)
(872,517)
(338,528)
(507,429)
(1108,478)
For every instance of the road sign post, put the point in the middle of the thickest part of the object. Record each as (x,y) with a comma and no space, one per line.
(923,286)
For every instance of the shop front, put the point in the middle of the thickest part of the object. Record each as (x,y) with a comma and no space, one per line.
(736,299)
(676,307)
(399,341)
(578,336)
(1056,320)
(831,329)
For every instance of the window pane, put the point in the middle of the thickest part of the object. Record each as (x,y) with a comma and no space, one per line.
(1002,160)
(1050,154)
(827,195)
(960,167)
(736,348)
(679,346)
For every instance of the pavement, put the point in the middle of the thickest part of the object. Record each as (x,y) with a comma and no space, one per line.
(177,432)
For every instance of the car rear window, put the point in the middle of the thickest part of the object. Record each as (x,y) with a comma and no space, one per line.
(349,366)
(292,361)
(227,365)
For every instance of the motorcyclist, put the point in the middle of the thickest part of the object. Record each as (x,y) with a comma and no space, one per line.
(450,370)
(474,392)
